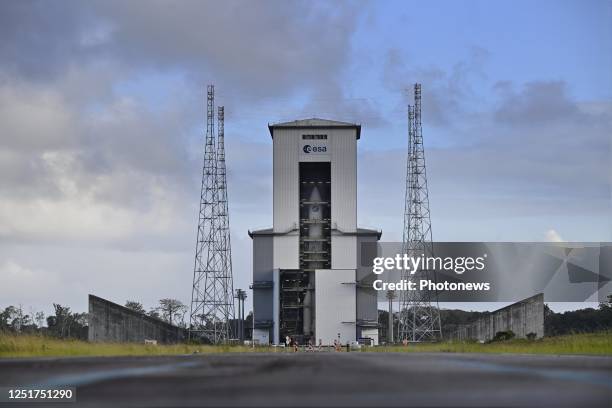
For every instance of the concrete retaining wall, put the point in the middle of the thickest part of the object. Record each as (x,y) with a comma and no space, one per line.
(109,321)
(524,317)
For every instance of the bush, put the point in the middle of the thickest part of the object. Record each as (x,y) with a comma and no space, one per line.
(503,336)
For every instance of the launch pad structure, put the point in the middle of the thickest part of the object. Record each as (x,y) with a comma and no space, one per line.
(308,283)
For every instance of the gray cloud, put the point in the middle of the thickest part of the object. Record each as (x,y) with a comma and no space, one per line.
(265,48)
(39,40)
(538,102)
(62,65)
(446,91)
(331,102)
(553,163)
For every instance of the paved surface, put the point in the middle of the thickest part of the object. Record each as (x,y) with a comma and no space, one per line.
(323,379)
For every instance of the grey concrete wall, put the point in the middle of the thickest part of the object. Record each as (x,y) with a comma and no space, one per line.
(367,296)
(109,321)
(262,272)
(262,257)
(263,298)
(263,304)
(524,317)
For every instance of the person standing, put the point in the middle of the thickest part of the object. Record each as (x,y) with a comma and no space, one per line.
(295,345)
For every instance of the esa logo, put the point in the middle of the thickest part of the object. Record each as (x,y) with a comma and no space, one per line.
(314,149)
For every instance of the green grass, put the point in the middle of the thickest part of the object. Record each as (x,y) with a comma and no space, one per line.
(591,343)
(12,345)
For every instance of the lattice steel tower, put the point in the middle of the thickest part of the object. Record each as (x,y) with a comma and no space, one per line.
(419,310)
(225,247)
(212,300)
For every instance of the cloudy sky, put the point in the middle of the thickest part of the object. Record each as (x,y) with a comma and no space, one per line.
(102,118)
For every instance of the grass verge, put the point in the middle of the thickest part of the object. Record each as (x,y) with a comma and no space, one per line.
(590,343)
(12,345)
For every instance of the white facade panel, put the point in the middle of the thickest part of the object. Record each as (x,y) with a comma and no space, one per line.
(261,336)
(344,252)
(344,179)
(286,180)
(286,199)
(340,148)
(287,251)
(335,305)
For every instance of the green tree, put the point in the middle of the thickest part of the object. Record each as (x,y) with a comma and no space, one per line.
(21,321)
(135,306)
(65,324)
(39,318)
(586,320)
(606,304)
(6,317)
(172,310)
(153,312)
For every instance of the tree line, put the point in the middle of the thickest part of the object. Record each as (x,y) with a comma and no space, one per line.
(65,323)
(169,310)
(588,320)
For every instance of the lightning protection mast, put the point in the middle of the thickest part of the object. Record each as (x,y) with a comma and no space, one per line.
(419,309)
(212,301)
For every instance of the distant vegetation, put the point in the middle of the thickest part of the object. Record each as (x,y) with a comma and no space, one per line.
(169,310)
(587,320)
(65,324)
(578,321)
(62,324)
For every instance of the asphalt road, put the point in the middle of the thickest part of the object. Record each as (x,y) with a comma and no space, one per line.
(323,379)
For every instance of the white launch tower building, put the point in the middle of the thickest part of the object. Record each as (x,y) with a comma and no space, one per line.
(308,282)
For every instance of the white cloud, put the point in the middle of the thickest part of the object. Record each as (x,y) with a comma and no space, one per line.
(28,286)
(553,236)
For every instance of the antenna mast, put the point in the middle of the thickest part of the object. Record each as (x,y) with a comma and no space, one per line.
(419,310)
(212,301)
